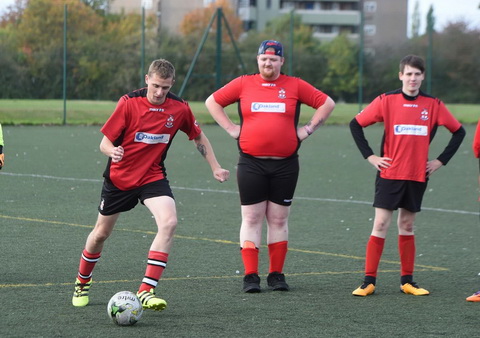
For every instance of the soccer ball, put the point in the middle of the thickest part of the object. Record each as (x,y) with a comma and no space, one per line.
(124,308)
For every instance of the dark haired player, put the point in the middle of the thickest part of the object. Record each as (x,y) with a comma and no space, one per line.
(137,137)
(410,119)
(268,139)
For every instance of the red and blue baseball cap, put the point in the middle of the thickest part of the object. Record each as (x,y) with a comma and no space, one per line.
(275,45)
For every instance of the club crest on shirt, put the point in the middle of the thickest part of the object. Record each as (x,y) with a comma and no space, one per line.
(424,114)
(282,94)
(169,123)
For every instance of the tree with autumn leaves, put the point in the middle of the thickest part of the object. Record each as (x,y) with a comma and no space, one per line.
(195,22)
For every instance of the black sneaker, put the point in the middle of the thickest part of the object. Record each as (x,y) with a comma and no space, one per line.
(251,283)
(276,281)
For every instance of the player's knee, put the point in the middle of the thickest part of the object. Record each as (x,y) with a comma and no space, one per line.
(381,226)
(100,236)
(406,226)
(168,224)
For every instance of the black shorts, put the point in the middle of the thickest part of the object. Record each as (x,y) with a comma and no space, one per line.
(394,194)
(114,200)
(267,180)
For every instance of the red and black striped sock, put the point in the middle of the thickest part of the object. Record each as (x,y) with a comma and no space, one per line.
(87,264)
(156,264)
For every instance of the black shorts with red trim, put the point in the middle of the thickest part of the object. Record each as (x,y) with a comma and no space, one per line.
(114,200)
(267,179)
(394,194)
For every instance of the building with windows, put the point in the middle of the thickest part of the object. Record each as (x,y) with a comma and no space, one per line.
(385,21)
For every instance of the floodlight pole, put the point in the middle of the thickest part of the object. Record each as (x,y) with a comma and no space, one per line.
(218,66)
(218,55)
(360,58)
(290,48)
(142,53)
(430,24)
(197,53)
(65,64)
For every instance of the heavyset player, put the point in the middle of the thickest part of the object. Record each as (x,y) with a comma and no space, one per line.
(268,139)
(138,134)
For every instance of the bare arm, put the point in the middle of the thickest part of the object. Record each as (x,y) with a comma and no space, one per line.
(319,117)
(219,115)
(107,148)
(205,148)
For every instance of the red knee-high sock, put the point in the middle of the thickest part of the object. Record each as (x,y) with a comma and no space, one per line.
(87,263)
(406,249)
(277,253)
(249,254)
(374,253)
(156,263)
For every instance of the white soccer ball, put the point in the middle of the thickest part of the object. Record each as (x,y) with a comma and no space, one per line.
(124,308)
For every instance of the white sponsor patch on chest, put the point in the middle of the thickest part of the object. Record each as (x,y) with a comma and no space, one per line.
(410,129)
(151,138)
(268,107)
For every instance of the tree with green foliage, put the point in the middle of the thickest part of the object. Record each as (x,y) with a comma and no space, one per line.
(415,21)
(430,19)
(99,6)
(341,69)
(456,69)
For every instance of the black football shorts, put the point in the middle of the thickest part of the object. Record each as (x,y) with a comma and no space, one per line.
(114,200)
(267,180)
(394,194)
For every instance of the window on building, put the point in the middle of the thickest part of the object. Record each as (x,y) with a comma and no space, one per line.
(269,4)
(284,4)
(309,5)
(348,6)
(370,30)
(246,3)
(248,25)
(370,6)
(322,29)
(326,6)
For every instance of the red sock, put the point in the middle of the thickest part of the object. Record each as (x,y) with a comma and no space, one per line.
(374,253)
(406,249)
(277,252)
(87,263)
(250,257)
(157,262)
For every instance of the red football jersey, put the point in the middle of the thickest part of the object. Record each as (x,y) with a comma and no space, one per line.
(145,131)
(269,112)
(409,126)
(476,141)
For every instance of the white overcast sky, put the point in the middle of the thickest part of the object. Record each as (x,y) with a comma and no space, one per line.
(445,11)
